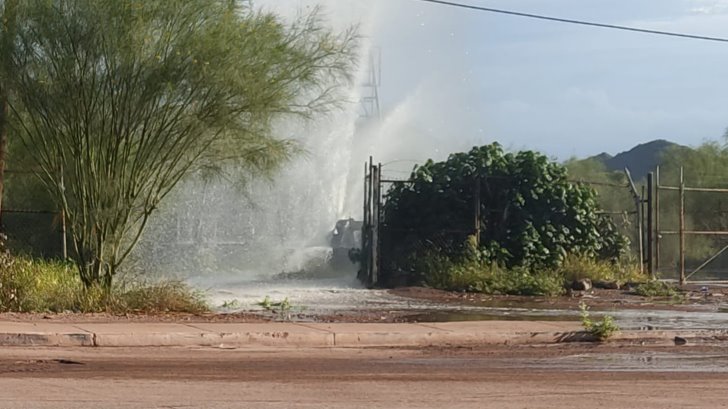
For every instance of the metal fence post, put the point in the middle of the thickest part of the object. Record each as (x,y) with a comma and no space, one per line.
(476,210)
(638,210)
(682,227)
(650,215)
(64,244)
(376,202)
(657,220)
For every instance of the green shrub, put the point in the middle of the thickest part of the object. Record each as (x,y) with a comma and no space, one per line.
(531,216)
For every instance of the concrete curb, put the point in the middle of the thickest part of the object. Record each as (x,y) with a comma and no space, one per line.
(303,335)
(46,339)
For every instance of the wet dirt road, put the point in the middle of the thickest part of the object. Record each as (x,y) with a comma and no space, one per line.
(524,377)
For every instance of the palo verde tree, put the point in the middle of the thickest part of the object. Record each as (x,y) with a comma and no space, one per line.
(121,99)
(7,37)
(529,214)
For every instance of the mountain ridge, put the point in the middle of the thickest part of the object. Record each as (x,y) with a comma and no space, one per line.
(640,160)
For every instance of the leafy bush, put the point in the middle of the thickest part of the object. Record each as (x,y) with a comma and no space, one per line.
(29,285)
(656,288)
(530,215)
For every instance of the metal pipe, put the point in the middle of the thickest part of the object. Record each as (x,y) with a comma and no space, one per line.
(657,220)
(650,215)
(682,227)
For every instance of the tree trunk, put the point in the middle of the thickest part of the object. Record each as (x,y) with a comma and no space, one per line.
(3,145)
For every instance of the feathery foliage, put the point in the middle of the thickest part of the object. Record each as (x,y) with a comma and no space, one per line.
(121,99)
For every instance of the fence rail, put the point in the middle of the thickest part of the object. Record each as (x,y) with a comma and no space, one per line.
(38,230)
(682,232)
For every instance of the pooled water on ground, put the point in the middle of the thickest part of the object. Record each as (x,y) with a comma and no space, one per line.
(322,296)
(345,294)
(641,319)
(687,361)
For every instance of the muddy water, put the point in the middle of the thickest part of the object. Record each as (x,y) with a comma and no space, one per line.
(634,362)
(626,319)
(667,320)
(309,298)
(314,296)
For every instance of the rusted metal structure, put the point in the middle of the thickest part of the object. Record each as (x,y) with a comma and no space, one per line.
(369,272)
(682,232)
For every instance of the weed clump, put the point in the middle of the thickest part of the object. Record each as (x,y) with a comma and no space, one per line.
(475,274)
(602,329)
(578,266)
(656,288)
(33,285)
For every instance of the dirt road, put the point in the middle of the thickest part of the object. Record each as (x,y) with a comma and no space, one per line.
(525,377)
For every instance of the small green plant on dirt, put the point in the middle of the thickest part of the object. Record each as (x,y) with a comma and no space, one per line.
(602,329)
(657,288)
(230,304)
(281,306)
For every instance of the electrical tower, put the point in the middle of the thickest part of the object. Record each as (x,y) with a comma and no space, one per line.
(370,92)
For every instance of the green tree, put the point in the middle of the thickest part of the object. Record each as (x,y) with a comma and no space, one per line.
(7,42)
(530,215)
(121,99)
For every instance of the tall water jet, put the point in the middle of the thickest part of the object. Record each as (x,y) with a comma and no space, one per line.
(237,239)
(218,231)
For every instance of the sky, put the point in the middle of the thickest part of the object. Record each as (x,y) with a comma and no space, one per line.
(453,78)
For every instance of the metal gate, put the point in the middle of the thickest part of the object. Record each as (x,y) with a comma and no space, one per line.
(689,243)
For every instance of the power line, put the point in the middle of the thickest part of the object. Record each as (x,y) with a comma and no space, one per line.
(580,22)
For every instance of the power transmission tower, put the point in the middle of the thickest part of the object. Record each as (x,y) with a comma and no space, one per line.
(370,95)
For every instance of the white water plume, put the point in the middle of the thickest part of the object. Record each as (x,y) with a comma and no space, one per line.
(213,229)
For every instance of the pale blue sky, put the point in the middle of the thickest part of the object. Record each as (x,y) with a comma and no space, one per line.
(458,77)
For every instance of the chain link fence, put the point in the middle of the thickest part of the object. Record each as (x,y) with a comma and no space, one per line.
(393,254)
(29,220)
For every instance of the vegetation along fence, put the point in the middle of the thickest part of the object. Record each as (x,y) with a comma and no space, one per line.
(29,218)
(385,242)
(677,229)
(691,225)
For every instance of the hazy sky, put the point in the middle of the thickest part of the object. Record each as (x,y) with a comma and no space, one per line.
(462,77)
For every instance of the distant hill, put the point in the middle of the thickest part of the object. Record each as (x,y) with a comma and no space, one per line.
(640,160)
